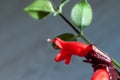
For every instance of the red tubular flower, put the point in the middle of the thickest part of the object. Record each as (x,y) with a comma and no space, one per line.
(102,63)
(101,74)
(70,48)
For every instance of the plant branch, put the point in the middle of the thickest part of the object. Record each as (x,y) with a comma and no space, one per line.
(116,63)
(69,23)
(80,33)
(85,39)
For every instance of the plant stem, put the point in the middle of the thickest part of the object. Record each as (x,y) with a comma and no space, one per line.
(85,39)
(69,23)
(80,34)
(116,63)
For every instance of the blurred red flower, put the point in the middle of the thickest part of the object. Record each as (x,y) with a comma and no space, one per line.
(100,74)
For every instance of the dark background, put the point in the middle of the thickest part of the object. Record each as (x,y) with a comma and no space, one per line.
(25,53)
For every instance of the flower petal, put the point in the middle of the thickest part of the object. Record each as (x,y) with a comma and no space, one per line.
(58,42)
(60,56)
(67,61)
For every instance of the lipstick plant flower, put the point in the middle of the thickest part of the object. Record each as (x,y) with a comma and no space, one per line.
(102,63)
(70,48)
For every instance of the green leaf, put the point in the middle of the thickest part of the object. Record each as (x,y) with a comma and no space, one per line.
(39,9)
(66,37)
(81,14)
(63,3)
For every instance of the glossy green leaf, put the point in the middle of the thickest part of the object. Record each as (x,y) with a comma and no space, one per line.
(66,37)
(39,9)
(81,14)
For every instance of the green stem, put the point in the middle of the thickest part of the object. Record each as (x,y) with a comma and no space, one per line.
(116,63)
(85,39)
(80,33)
(69,23)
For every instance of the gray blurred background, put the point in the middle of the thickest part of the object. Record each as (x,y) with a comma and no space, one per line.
(25,53)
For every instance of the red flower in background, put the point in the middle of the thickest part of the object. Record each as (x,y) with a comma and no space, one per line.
(101,74)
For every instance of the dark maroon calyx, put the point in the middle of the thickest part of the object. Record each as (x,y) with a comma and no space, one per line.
(98,59)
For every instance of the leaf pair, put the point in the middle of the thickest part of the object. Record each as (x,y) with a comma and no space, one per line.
(81,13)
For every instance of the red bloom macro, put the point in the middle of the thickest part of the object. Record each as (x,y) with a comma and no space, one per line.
(70,48)
(101,63)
